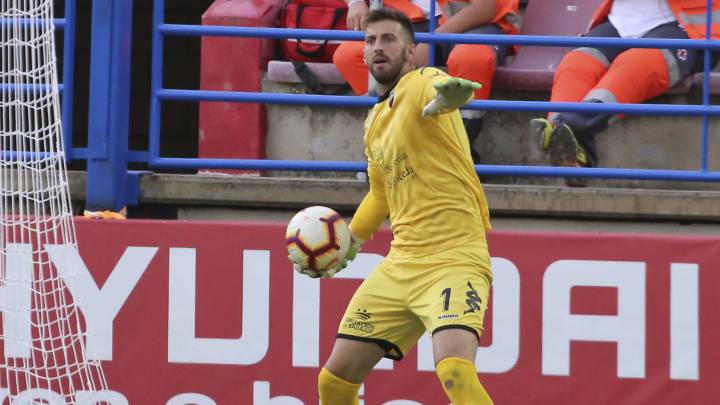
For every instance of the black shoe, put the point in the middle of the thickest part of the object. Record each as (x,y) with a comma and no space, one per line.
(566,151)
(541,129)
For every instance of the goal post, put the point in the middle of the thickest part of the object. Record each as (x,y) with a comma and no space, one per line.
(42,333)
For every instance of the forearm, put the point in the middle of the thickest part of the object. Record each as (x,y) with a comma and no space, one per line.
(476,14)
(369,215)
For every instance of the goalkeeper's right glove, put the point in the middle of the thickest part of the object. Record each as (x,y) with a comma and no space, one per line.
(453,93)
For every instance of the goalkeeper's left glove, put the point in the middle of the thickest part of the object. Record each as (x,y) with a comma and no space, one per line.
(355,245)
(453,93)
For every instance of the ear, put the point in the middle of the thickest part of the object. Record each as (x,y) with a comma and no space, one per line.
(410,52)
(365,55)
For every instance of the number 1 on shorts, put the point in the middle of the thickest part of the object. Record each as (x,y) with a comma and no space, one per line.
(446,301)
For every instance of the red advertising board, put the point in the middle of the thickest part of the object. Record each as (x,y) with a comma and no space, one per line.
(212,313)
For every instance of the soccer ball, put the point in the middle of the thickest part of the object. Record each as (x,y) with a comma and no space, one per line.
(317,238)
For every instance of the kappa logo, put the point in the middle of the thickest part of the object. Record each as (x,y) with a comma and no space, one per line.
(473,300)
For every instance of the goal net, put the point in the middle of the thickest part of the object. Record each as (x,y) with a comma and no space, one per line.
(42,356)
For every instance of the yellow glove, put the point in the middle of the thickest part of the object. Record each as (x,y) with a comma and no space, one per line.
(355,245)
(452,94)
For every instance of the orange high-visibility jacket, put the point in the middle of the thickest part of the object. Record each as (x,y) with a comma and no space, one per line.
(689,13)
(506,14)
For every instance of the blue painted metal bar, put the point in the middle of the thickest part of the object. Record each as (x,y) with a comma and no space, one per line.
(535,40)
(261,164)
(431,30)
(704,141)
(156,78)
(68,25)
(14,156)
(68,97)
(59,23)
(496,105)
(494,170)
(159,94)
(107,174)
(604,173)
(138,156)
(133,156)
(31,87)
(80,153)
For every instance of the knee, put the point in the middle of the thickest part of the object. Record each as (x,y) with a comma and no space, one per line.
(584,63)
(347,53)
(324,380)
(334,390)
(583,60)
(477,58)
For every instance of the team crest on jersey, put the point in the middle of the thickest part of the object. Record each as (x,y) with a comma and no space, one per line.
(363,314)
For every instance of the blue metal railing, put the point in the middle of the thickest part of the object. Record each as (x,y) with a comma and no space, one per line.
(704,142)
(109,183)
(160,94)
(108,157)
(65,88)
(68,24)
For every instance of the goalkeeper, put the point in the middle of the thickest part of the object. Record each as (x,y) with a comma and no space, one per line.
(437,275)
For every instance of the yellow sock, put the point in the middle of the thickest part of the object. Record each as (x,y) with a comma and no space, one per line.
(336,391)
(460,382)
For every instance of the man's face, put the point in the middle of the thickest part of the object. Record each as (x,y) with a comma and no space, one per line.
(386,50)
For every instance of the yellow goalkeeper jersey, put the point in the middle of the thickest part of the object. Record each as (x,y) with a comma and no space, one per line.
(421,174)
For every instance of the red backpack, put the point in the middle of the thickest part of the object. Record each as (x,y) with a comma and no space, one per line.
(312,14)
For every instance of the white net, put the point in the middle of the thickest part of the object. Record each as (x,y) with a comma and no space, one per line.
(42,356)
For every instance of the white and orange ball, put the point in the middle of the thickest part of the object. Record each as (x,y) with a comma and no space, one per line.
(317,238)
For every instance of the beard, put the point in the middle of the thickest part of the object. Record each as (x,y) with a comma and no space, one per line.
(389,73)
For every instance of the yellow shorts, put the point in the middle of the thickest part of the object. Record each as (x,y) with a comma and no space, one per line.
(403,298)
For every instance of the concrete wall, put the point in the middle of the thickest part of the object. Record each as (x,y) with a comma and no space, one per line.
(499,223)
(650,142)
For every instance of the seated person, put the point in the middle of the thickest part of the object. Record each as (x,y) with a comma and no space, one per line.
(619,75)
(468,61)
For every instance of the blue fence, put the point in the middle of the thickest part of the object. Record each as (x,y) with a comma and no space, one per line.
(110,185)
(65,88)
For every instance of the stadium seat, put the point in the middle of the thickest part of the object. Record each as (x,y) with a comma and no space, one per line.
(533,66)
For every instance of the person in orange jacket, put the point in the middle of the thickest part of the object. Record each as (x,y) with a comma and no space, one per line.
(467,61)
(617,75)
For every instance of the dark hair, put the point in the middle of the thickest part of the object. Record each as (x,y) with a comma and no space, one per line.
(381,14)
